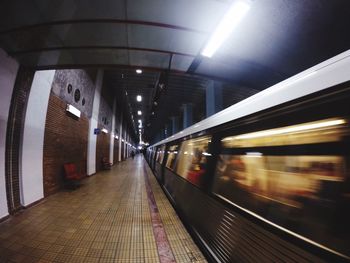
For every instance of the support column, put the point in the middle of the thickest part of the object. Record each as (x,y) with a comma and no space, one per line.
(112,134)
(187,114)
(213,98)
(91,154)
(14,139)
(165,131)
(174,124)
(32,177)
(8,72)
(125,145)
(120,135)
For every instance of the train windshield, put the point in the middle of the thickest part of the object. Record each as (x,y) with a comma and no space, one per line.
(295,176)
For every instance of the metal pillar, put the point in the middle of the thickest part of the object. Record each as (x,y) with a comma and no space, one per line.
(166,131)
(92,141)
(187,115)
(125,145)
(213,97)
(112,134)
(174,124)
(120,135)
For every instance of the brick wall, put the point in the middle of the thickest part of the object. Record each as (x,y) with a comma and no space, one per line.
(102,149)
(65,141)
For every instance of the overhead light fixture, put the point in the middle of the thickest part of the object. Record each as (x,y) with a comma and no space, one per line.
(139,98)
(104,130)
(234,15)
(139,71)
(73,110)
(139,112)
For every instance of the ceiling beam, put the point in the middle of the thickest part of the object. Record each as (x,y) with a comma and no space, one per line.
(100,21)
(93,47)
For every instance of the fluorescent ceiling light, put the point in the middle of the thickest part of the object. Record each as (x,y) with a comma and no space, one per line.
(104,130)
(139,98)
(73,110)
(139,71)
(139,112)
(231,19)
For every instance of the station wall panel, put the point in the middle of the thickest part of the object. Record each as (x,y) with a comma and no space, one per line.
(31,176)
(8,72)
(116,151)
(105,119)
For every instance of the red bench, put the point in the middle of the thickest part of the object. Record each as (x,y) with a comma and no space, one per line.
(106,165)
(72,175)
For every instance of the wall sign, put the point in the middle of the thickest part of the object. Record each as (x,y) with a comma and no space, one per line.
(97,131)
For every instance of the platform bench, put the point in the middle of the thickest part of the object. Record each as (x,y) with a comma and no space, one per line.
(72,176)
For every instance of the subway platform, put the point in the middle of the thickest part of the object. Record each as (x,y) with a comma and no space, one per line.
(120,215)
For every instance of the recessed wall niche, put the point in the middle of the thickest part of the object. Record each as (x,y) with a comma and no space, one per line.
(69,88)
(77,95)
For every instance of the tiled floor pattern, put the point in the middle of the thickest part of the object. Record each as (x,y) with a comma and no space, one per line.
(165,252)
(183,247)
(105,220)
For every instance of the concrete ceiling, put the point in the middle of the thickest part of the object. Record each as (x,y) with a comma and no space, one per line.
(275,40)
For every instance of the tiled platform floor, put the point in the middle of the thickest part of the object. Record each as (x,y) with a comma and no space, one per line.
(106,220)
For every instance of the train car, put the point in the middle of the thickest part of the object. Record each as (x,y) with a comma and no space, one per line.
(150,157)
(268,179)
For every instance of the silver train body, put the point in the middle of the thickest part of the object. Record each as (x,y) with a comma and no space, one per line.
(268,179)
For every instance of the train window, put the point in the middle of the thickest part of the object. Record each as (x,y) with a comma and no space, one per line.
(305,190)
(287,181)
(160,153)
(192,159)
(172,153)
(329,130)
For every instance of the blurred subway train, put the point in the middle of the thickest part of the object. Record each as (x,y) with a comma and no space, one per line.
(268,179)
